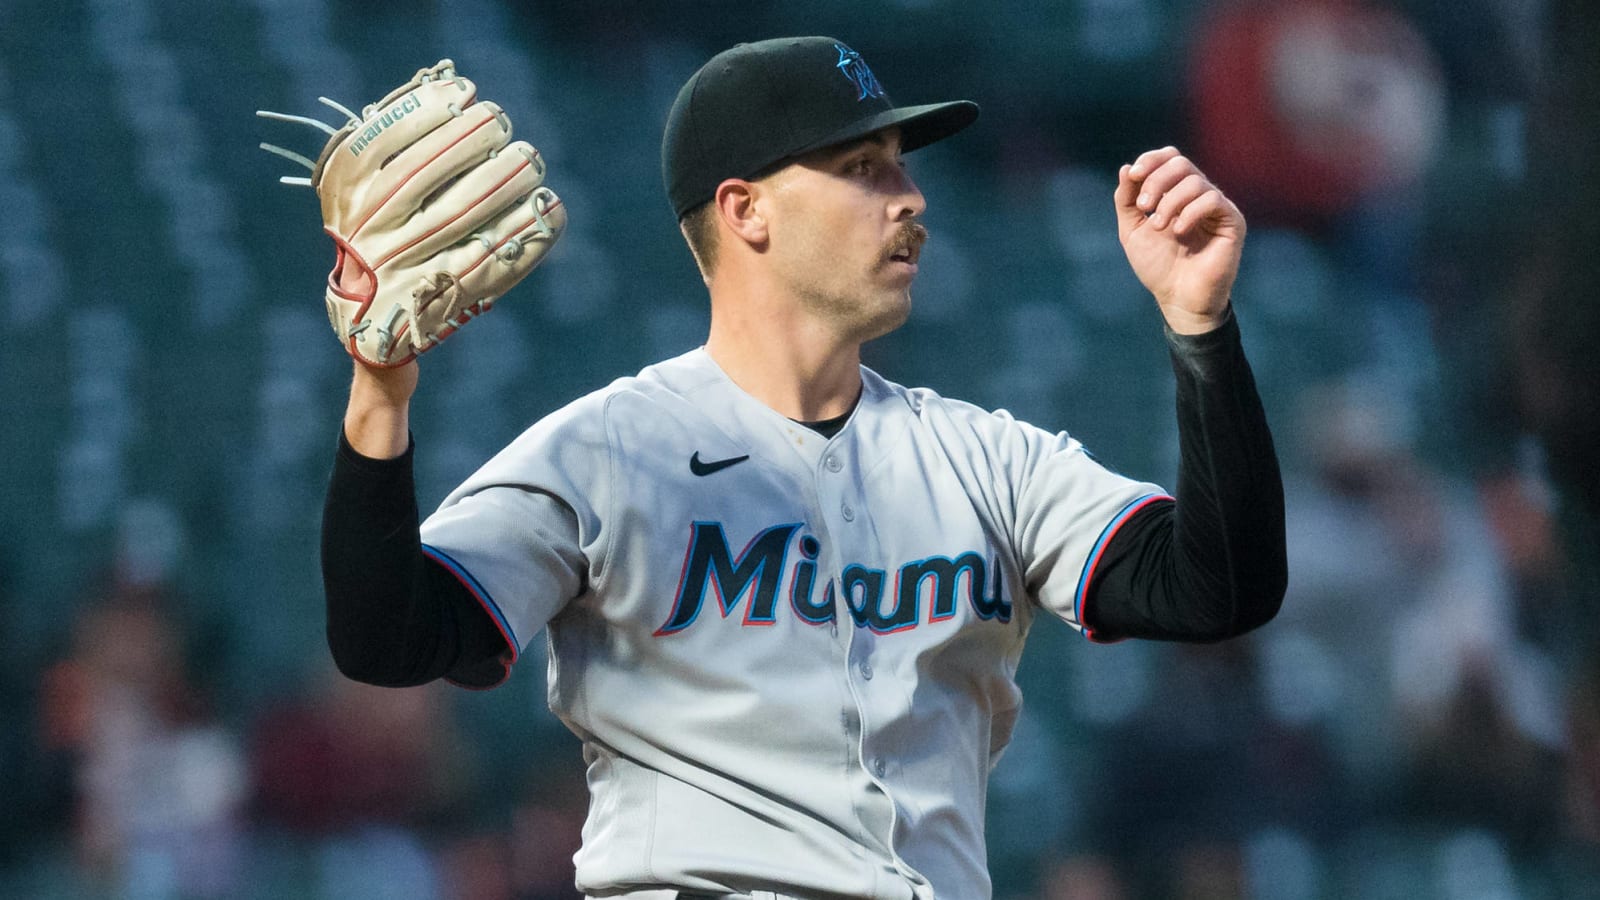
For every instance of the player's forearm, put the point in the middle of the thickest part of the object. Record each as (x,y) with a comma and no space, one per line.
(394,617)
(1212,565)
(1229,521)
(384,625)
(377,422)
(370,554)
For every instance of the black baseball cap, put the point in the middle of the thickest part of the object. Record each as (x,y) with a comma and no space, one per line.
(756,105)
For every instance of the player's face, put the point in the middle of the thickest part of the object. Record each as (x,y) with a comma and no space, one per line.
(845,235)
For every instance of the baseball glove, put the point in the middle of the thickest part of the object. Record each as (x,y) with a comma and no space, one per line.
(433,210)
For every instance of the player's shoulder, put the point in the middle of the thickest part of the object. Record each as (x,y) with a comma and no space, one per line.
(661,384)
(988,440)
(934,408)
(670,380)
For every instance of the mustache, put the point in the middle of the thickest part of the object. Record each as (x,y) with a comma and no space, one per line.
(911,235)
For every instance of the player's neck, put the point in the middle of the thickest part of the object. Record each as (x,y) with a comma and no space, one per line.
(793,364)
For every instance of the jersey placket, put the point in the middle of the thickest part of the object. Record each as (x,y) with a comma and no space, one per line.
(840,496)
(830,490)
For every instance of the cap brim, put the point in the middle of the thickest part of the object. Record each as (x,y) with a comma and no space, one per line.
(919,125)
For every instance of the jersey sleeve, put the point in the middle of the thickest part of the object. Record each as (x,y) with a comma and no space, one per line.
(524,534)
(1067,508)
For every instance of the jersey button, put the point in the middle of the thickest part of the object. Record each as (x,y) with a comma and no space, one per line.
(848,511)
(833,464)
(878,766)
(866,670)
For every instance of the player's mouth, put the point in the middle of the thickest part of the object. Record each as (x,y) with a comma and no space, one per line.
(906,256)
(906,248)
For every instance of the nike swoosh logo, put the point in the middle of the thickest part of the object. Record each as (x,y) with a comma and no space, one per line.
(707,468)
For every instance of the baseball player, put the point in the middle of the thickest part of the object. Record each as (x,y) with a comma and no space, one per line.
(783,596)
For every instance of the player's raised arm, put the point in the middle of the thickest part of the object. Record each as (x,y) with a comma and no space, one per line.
(434,213)
(1211,565)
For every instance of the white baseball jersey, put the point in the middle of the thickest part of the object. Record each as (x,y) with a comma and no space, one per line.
(789,657)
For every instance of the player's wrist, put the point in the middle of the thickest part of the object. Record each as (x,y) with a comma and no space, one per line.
(384,385)
(378,418)
(1184,321)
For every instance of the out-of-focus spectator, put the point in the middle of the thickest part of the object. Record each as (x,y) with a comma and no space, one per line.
(1206,763)
(160,785)
(532,859)
(1513,279)
(352,755)
(545,835)
(1471,764)
(1302,110)
(363,773)
(1082,877)
(1398,577)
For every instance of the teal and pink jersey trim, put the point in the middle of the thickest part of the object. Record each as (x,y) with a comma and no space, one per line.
(484,600)
(1099,549)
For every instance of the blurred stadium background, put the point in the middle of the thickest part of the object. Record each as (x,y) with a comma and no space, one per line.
(1423,719)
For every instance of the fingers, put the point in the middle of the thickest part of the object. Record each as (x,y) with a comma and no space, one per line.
(1149,161)
(1157,173)
(1176,199)
(1209,205)
(1167,190)
(1128,215)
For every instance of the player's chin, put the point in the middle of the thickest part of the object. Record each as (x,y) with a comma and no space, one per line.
(886,316)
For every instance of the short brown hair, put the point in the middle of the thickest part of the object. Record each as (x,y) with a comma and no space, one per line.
(700,230)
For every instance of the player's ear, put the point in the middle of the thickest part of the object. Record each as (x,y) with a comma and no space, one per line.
(736,205)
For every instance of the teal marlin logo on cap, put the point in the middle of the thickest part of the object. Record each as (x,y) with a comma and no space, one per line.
(855,69)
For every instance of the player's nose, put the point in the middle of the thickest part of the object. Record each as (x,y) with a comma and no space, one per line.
(908,201)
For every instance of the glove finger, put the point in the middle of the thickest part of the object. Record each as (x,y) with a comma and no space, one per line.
(432,163)
(470,205)
(510,248)
(519,241)
(444,69)
(348,161)
(527,234)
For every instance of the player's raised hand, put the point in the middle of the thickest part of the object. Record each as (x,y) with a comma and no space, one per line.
(1182,236)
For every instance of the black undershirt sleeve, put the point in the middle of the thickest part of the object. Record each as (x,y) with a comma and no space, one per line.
(395,617)
(1213,564)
